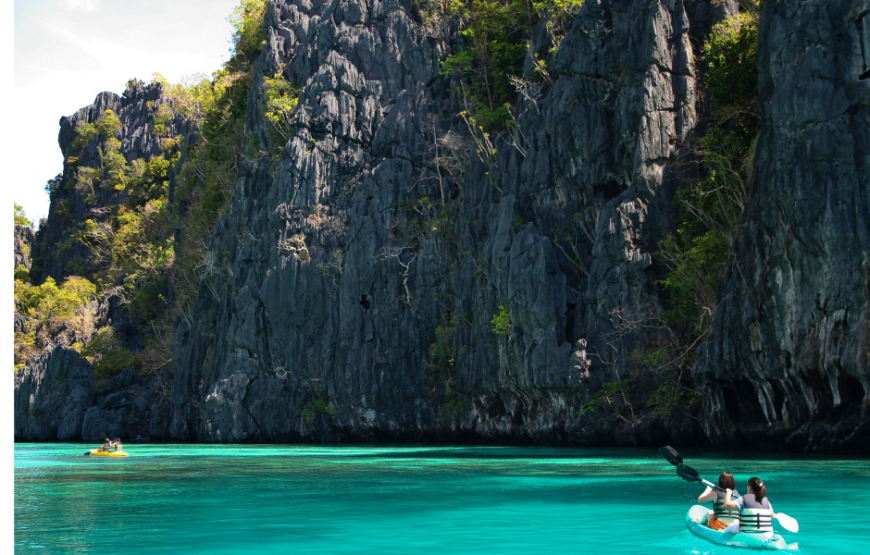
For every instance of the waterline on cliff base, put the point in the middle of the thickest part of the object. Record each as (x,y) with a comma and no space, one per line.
(360,499)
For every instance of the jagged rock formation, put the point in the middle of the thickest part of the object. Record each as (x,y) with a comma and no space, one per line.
(352,285)
(340,276)
(23,243)
(55,398)
(24,238)
(70,207)
(789,363)
(131,407)
(52,395)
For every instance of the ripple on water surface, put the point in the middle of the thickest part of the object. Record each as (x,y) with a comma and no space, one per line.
(221,499)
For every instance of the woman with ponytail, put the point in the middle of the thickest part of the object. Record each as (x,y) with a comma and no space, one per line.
(756,512)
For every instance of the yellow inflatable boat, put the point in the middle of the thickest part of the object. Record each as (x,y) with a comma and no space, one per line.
(98,453)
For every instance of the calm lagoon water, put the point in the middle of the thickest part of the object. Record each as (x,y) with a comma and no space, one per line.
(265,499)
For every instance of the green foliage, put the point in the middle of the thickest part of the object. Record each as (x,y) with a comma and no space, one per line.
(281,101)
(668,396)
(114,169)
(604,396)
(108,125)
(458,63)
(20,217)
(48,309)
(731,53)
(497,33)
(454,407)
(442,350)
(693,282)
(709,211)
(193,97)
(501,322)
(318,406)
(162,118)
(22,274)
(150,180)
(112,173)
(54,184)
(108,356)
(558,8)
(85,133)
(51,304)
(249,36)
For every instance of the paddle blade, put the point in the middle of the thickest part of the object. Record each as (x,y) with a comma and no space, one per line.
(787,522)
(688,473)
(671,455)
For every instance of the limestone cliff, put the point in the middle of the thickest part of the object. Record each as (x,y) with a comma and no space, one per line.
(23,243)
(361,252)
(389,272)
(789,363)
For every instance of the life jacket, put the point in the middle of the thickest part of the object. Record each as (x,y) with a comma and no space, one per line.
(720,511)
(756,518)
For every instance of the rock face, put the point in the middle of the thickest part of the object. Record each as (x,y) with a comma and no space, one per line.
(363,254)
(789,363)
(130,407)
(52,395)
(56,399)
(70,206)
(385,274)
(24,238)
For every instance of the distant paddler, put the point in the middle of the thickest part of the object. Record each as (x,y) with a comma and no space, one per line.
(109,448)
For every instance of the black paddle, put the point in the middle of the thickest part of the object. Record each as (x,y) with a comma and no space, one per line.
(671,455)
(684,471)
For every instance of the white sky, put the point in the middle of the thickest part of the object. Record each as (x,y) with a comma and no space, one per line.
(68,51)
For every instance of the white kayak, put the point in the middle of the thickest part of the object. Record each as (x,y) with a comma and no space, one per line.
(696,523)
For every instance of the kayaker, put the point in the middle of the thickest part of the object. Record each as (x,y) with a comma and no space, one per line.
(117,444)
(107,445)
(756,512)
(721,516)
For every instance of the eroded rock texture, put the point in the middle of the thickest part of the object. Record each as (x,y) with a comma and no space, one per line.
(788,363)
(58,256)
(23,242)
(343,263)
(56,399)
(52,395)
(349,292)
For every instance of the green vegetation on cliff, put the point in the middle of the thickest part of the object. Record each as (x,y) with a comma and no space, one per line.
(709,212)
(49,311)
(20,217)
(141,245)
(498,35)
(708,218)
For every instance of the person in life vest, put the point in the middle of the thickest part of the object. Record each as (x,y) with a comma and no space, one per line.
(721,516)
(756,512)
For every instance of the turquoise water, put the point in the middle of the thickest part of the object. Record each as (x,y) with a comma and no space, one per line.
(220,499)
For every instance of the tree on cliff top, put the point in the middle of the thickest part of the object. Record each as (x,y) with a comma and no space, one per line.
(20,218)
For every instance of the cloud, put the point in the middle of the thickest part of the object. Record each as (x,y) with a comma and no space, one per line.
(83,5)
